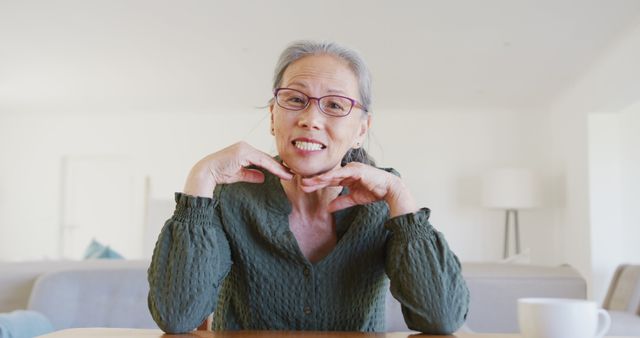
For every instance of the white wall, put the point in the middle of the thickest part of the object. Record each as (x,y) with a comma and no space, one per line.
(612,84)
(614,181)
(162,147)
(96,79)
(442,156)
(605,189)
(630,173)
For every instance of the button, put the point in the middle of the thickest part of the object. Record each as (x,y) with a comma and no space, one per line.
(307,310)
(306,272)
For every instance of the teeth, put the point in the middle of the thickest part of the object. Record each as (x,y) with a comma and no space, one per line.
(308,145)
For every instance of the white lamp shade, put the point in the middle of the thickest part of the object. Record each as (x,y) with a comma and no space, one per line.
(510,188)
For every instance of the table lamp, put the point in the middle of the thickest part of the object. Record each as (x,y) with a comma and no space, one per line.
(510,189)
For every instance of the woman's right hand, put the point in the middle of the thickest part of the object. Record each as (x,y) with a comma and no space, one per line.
(228,166)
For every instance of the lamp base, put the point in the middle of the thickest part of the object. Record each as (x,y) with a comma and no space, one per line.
(516,228)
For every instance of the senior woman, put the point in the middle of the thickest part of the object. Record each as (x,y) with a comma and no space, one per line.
(309,239)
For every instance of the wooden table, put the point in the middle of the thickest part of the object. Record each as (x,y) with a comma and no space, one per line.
(140,333)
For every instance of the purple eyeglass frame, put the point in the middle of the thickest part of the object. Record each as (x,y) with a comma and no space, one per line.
(354,103)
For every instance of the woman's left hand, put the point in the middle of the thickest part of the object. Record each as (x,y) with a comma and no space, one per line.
(366,184)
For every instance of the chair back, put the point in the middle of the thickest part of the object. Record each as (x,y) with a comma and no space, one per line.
(624,290)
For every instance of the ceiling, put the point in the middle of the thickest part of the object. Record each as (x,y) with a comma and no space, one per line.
(217,56)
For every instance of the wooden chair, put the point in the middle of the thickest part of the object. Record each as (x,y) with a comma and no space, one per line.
(624,290)
(623,301)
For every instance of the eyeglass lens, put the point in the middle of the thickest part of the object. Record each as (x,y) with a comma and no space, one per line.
(330,104)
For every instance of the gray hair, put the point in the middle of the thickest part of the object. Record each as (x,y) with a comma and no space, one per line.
(299,49)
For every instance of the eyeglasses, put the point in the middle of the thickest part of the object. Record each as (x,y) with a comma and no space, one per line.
(332,105)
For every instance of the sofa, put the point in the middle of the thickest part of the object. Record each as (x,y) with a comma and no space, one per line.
(112,293)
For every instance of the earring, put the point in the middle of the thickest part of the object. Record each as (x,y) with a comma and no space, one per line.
(273,131)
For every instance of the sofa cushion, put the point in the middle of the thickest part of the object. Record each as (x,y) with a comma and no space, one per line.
(93,298)
(17,278)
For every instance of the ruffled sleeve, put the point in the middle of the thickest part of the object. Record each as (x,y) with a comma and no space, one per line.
(425,275)
(190,260)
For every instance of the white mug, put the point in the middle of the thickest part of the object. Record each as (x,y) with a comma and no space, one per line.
(561,318)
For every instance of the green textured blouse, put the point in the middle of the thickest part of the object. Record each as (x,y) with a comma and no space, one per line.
(234,255)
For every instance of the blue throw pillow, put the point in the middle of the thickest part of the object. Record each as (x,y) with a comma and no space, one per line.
(97,250)
(24,324)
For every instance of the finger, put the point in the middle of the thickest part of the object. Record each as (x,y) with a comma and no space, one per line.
(321,184)
(265,161)
(250,175)
(341,202)
(312,188)
(336,182)
(334,176)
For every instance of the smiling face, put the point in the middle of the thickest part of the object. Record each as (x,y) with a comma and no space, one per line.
(308,141)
